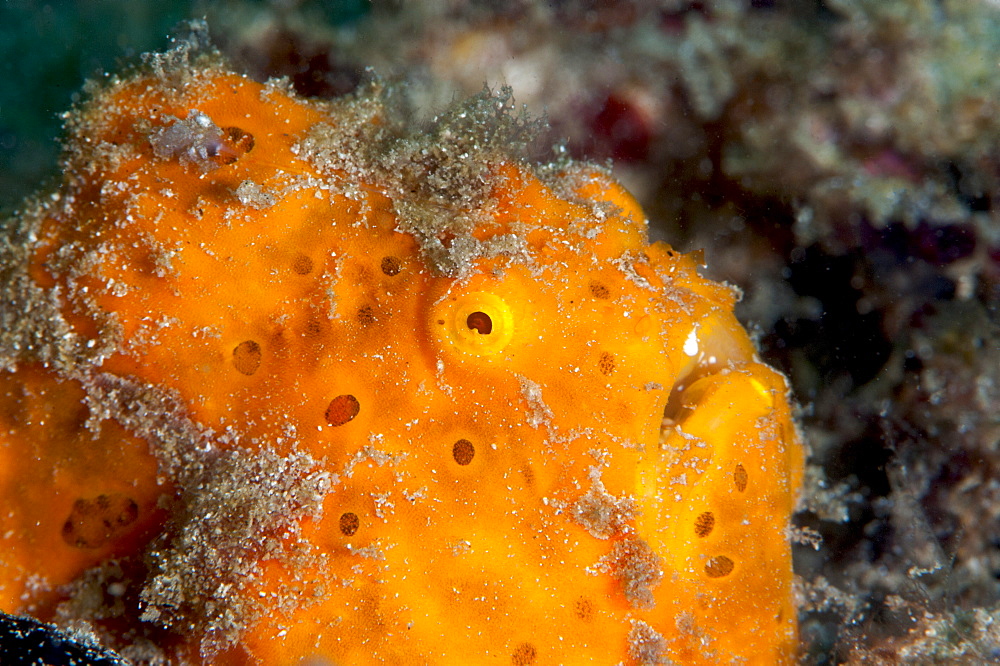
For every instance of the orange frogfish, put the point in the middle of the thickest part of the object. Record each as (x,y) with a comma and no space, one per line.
(296,381)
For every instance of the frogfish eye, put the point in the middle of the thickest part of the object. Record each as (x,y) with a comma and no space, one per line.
(479,323)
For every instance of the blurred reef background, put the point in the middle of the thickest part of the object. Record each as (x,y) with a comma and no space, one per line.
(839,160)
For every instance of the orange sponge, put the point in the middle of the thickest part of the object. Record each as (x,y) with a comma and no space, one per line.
(316,383)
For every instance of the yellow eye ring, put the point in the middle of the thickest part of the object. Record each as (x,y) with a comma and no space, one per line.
(480,323)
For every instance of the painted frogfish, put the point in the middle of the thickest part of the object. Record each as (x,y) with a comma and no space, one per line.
(297,381)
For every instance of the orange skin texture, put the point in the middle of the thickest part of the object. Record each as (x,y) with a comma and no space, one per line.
(455,555)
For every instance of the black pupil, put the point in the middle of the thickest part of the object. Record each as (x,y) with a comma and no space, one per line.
(481,322)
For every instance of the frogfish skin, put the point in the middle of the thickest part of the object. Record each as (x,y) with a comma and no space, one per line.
(296,381)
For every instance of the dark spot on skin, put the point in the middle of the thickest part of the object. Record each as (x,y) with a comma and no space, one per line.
(342,409)
(96,522)
(391,266)
(246,357)
(302,265)
(598,290)
(719,567)
(312,328)
(740,477)
(349,523)
(523,655)
(529,475)
(584,609)
(606,363)
(463,452)
(704,524)
(366,315)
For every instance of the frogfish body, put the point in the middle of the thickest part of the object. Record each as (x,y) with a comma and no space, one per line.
(291,381)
